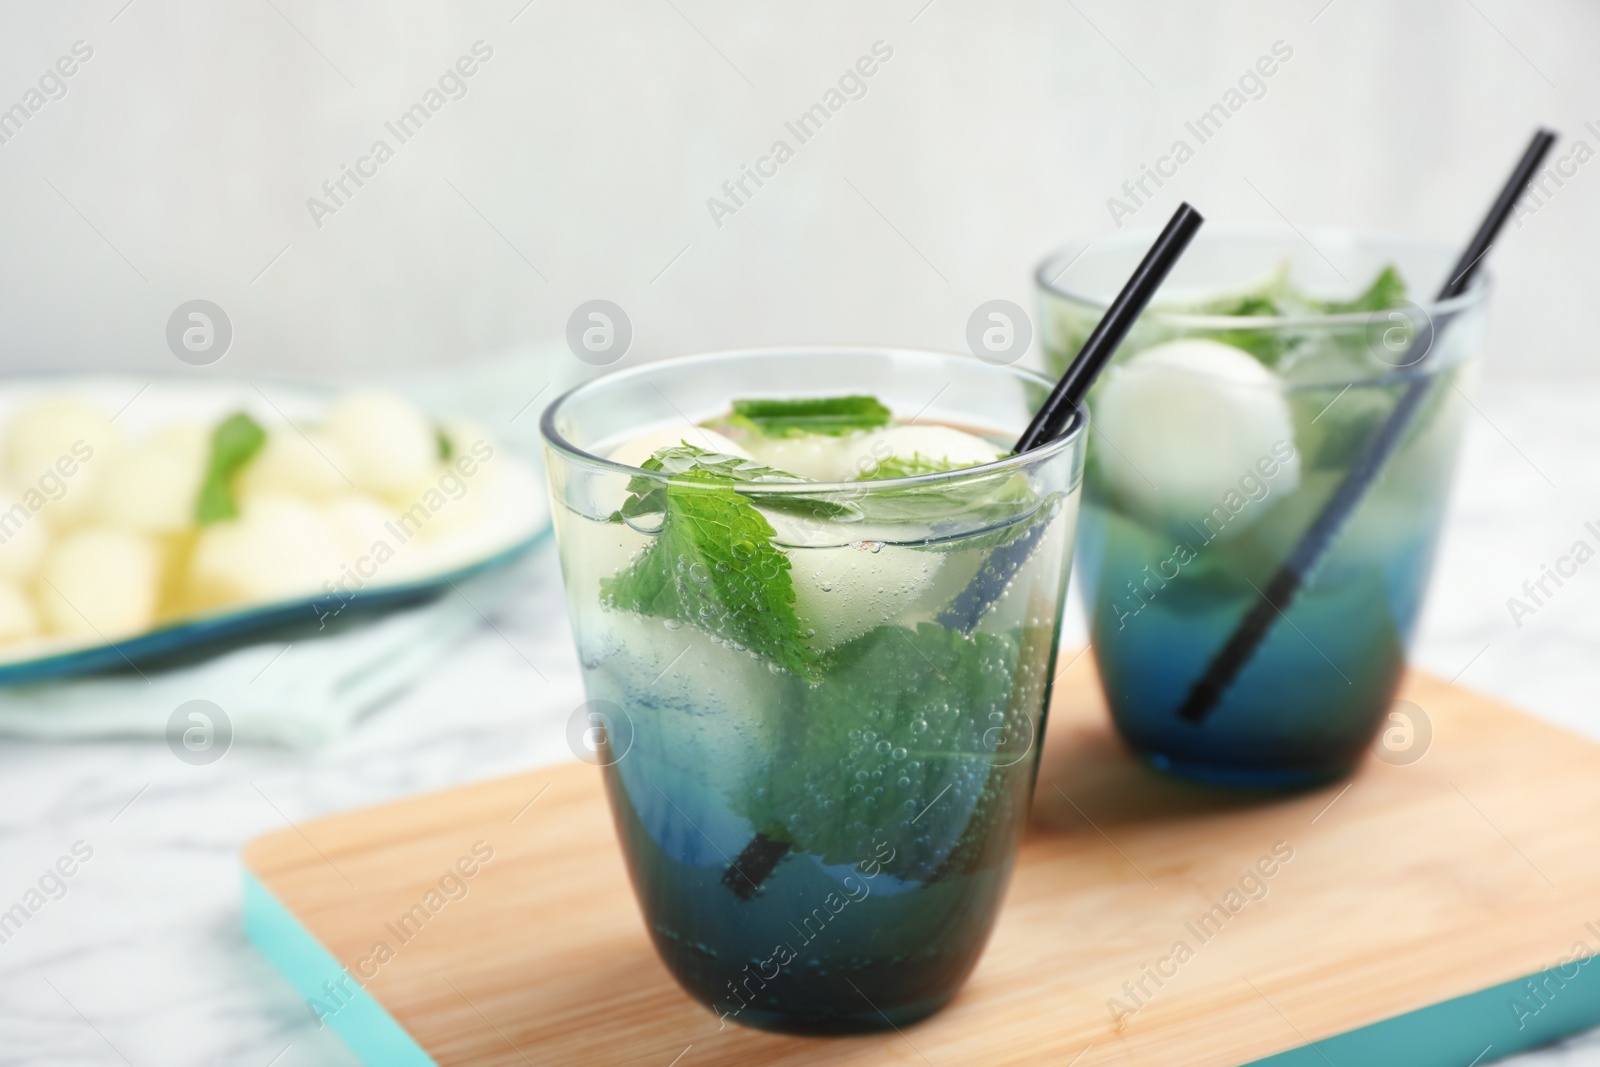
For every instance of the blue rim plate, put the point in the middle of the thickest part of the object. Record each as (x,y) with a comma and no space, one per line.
(197,636)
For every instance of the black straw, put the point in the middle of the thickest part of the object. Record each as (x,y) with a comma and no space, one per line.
(962,613)
(1319,537)
(1113,326)
(745,875)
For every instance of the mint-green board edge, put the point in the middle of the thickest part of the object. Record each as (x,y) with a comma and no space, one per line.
(1478,1028)
(361,1023)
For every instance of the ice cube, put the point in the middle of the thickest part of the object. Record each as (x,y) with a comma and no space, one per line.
(1193,425)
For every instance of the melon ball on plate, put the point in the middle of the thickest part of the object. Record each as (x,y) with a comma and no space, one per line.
(504,505)
(387,442)
(635,450)
(151,486)
(100,581)
(23,536)
(308,464)
(940,445)
(1193,425)
(18,620)
(60,448)
(450,500)
(365,529)
(279,547)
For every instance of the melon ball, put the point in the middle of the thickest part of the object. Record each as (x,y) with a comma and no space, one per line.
(359,523)
(820,457)
(1193,425)
(634,451)
(387,442)
(371,548)
(23,537)
(446,503)
(936,444)
(151,487)
(18,620)
(62,448)
(308,464)
(100,581)
(842,592)
(278,547)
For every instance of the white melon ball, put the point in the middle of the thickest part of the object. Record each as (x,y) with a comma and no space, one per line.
(18,620)
(841,593)
(1189,426)
(100,581)
(820,457)
(360,524)
(151,487)
(309,464)
(23,537)
(634,451)
(935,444)
(369,543)
(278,547)
(387,441)
(62,447)
(504,506)
(449,500)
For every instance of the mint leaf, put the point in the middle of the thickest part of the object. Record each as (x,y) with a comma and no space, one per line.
(905,726)
(233,443)
(647,496)
(1280,298)
(832,415)
(1387,290)
(446,449)
(713,564)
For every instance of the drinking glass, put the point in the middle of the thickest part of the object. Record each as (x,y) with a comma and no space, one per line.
(1169,573)
(819,832)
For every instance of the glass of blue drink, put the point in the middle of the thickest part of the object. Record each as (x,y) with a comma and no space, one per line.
(816,602)
(1224,426)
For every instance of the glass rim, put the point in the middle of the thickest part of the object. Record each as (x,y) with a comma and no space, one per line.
(1004,465)
(1477,291)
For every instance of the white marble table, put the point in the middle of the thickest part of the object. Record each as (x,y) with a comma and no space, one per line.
(142,961)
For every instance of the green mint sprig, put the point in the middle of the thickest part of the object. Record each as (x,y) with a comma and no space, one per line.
(830,415)
(714,564)
(1280,298)
(234,443)
(896,745)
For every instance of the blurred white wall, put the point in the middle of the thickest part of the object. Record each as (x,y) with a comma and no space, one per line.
(579,162)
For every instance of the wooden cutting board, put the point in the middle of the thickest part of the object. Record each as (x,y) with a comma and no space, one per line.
(1440,912)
